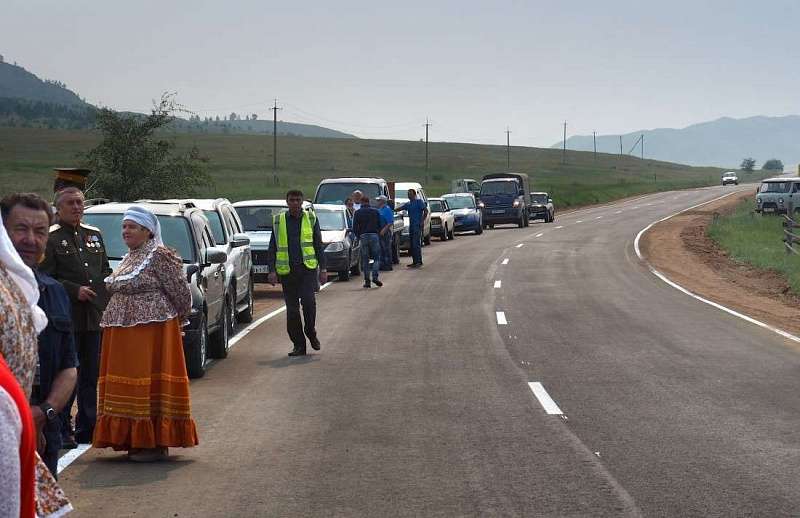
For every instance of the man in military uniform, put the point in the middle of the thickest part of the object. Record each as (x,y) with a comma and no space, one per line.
(76,257)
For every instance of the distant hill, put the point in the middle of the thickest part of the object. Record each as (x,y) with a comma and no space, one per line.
(18,83)
(723,142)
(255,127)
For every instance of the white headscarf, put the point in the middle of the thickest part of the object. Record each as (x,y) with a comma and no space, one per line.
(145,218)
(22,276)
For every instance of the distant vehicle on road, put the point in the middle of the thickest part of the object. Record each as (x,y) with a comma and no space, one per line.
(335,190)
(443,223)
(185,228)
(401,191)
(342,251)
(504,199)
(541,207)
(256,219)
(466,214)
(466,185)
(730,177)
(775,195)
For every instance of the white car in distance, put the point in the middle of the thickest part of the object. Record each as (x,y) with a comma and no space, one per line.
(443,222)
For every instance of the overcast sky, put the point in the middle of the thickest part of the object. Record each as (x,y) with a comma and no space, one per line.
(378,71)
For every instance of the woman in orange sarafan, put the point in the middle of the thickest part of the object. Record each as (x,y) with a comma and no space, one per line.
(143,389)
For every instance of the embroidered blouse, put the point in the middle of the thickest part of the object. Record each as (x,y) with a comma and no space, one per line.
(17,333)
(148,286)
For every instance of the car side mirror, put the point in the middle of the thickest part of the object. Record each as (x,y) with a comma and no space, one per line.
(240,240)
(214,256)
(191,270)
(549,200)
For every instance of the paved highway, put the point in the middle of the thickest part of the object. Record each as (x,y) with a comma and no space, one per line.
(537,371)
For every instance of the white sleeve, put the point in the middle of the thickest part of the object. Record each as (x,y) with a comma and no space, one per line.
(10,437)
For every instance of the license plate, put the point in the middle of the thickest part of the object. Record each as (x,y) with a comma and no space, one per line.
(769,209)
(498,211)
(260,268)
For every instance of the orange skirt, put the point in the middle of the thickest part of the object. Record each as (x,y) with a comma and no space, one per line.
(143,389)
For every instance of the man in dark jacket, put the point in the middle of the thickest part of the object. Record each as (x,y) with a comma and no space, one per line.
(27,219)
(366,226)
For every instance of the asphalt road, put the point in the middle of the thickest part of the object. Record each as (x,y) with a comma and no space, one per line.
(419,403)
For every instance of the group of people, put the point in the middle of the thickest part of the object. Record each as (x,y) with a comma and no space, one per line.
(71,329)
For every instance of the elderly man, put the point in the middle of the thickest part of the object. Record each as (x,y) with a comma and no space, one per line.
(385,233)
(76,257)
(27,220)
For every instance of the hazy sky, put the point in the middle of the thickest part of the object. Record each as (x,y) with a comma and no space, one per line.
(379,70)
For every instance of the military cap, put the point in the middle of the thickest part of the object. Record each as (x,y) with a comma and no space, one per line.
(70,177)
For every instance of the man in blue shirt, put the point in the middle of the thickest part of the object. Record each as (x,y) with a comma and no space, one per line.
(366,225)
(387,222)
(417,213)
(27,218)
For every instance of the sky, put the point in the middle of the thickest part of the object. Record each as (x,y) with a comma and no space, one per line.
(379,69)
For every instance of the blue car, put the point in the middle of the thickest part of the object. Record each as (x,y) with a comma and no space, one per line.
(466,213)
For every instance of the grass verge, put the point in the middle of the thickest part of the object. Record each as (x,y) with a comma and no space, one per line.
(757,241)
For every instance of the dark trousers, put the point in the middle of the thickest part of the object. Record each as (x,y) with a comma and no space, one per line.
(298,288)
(415,235)
(87,344)
(52,437)
(386,251)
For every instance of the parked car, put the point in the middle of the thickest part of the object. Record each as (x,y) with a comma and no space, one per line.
(342,250)
(730,177)
(466,185)
(335,190)
(401,190)
(776,194)
(256,218)
(226,227)
(185,228)
(466,214)
(504,199)
(541,207)
(443,223)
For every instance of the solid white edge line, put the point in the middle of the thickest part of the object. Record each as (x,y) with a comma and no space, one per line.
(544,398)
(505,261)
(680,288)
(520,245)
(69,457)
(501,318)
(497,284)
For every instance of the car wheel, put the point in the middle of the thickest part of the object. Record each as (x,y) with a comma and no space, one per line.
(452,234)
(396,249)
(479,230)
(356,269)
(246,316)
(491,225)
(443,237)
(426,240)
(232,313)
(196,356)
(344,275)
(219,340)
(521,222)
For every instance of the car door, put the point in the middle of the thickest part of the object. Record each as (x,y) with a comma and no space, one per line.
(242,254)
(213,274)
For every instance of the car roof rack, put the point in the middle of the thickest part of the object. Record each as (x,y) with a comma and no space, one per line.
(182,204)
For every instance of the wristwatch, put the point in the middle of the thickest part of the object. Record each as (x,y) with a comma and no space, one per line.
(49,411)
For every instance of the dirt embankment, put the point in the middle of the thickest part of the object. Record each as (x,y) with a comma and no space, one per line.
(680,249)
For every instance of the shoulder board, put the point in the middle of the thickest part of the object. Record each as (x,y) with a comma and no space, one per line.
(55,227)
(89,227)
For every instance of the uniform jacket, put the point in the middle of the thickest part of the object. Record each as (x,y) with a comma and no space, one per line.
(76,256)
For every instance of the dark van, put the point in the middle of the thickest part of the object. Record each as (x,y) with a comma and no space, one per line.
(504,199)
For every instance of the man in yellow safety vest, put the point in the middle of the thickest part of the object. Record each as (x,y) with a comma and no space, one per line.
(295,253)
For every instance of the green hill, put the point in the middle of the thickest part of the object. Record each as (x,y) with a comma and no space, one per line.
(241,165)
(18,83)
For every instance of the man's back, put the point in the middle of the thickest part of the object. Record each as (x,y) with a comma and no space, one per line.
(367,220)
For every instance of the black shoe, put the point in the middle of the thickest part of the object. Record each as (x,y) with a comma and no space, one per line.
(68,443)
(367,284)
(297,353)
(83,437)
(315,343)
(377,282)
(414,265)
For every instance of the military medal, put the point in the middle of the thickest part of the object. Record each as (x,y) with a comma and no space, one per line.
(64,243)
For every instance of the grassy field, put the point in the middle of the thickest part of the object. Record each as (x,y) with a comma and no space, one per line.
(241,165)
(756,240)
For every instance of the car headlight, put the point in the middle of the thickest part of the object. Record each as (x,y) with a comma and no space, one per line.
(780,200)
(516,203)
(758,200)
(336,246)
(481,205)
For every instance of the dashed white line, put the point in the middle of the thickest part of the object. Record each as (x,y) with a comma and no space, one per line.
(497,284)
(69,457)
(505,261)
(579,221)
(520,245)
(599,217)
(544,398)
(618,212)
(501,318)
(558,227)
(540,234)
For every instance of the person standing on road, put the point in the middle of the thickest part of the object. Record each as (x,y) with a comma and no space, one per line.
(417,213)
(143,403)
(27,219)
(76,257)
(295,252)
(385,233)
(366,226)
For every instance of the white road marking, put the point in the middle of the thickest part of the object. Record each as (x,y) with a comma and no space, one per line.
(501,318)
(544,398)
(69,457)
(680,288)
(520,245)
(558,227)
(505,261)
(618,212)
(540,234)
(599,217)
(579,221)
(497,284)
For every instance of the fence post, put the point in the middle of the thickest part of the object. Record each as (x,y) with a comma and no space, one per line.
(788,228)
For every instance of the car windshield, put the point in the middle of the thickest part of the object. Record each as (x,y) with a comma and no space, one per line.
(215,219)
(499,187)
(539,198)
(436,206)
(729,175)
(775,187)
(331,219)
(258,218)
(174,231)
(336,193)
(460,202)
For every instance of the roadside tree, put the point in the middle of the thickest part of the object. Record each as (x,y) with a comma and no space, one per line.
(132,162)
(773,164)
(748,164)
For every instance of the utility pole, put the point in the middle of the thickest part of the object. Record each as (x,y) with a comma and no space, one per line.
(594,140)
(642,146)
(508,148)
(620,145)
(275,142)
(564,149)
(427,125)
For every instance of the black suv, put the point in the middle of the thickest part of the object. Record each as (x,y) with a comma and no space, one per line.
(186,229)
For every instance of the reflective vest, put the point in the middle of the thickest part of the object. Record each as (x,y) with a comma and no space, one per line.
(282,266)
